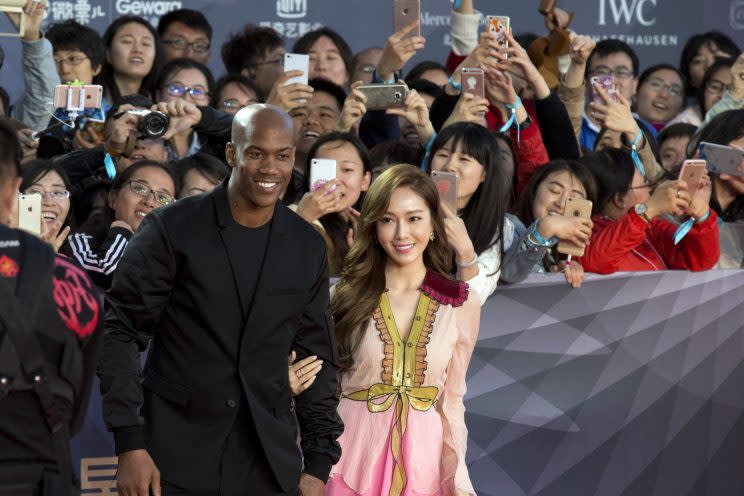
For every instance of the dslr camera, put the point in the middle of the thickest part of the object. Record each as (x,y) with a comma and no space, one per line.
(151,123)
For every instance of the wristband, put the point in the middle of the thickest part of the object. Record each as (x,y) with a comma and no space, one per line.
(468,264)
(427,152)
(110,167)
(538,238)
(634,153)
(702,219)
(456,4)
(513,119)
(685,227)
(454,84)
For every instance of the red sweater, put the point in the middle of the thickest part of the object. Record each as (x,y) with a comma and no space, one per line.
(529,148)
(632,244)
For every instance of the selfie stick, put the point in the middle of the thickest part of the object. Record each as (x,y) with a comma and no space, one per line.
(72,107)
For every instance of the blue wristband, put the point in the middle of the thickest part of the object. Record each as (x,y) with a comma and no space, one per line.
(110,167)
(535,234)
(454,84)
(376,79)
(634,153)
(456,4)
(513,119)
(703,218)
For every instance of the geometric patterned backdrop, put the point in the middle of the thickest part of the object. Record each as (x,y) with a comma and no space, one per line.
(631,385)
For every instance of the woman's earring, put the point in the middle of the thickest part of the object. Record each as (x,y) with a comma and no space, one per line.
(431,236)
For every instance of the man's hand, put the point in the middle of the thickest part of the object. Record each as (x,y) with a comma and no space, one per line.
(615,115)
(417,113)
(34,14)
(354,108)
(183,115)
(137,474)
(311,486)
(399,50)
(289,96)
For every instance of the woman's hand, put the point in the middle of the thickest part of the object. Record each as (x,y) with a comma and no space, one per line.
(580,48)
(458,237)
(573,271)
(518,62)
(398,50)
(670,197)
(81,139)
(289,96)
(354,108)
(417,113)
(469,108)
(700,204)
(322,201)
(303,373)
(615,115)
(575,230)
(353,215)
(50,232)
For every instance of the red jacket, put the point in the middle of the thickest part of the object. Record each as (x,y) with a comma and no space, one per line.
(632,244)
(528,146)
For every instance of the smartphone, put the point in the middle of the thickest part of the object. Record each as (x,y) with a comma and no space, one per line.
(473,82)
(73,97)
(546,6)
(499,25)
(446,183)
(721,159)
(692,173)
(322,170)
(404,13)
(297,62)
(29,213)
(382,96)
(575,207)
(607,83)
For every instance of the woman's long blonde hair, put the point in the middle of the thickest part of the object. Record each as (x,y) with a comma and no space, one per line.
(363,277)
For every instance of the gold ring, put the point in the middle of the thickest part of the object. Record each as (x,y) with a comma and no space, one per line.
(298,373)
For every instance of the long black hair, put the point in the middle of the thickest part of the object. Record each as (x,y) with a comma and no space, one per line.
(613,168)
(485,211)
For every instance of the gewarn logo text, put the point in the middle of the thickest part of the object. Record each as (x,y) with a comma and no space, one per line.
(627,11)
(142,7)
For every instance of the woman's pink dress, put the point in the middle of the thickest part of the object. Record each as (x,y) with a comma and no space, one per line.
(402,400)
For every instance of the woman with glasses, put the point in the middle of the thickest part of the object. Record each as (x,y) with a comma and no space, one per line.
(630,230)
(188,80)
(135,192)
(233,92)
(716,82)
(49,181)
(661,95)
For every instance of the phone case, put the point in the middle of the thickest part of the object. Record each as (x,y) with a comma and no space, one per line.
(575,207)
(473,82)
(499,25)
(72,98)
(607,83)
(446,183)
(29,213)
(692,173)
(382,96)
(404,13)
(322,170)
(721,159)
(297,62)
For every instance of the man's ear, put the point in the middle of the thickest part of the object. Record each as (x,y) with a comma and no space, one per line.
(230,154)
(618,201)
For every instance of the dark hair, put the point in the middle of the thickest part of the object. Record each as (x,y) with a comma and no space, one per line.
(718,64)
(206,164)
(230,79)
(10,152)
(610,46)
(721,130)
(693,45)
(524,208)
(394,152)
(188,17)
(306,42)
(485,211)
(613,169)
(427,65)
(125,176)
(245,48)
(71,35)
(336,91)
(177,65)
(5,99)
(441,109)
(643,127)
(106,77)
(677,130)
(525,39)
(659,67)
(426,87)
(36,169)
(334,224)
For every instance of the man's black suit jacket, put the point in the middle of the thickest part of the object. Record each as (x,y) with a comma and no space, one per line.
(175,286)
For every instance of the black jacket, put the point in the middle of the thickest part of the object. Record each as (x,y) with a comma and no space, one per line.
(175,286)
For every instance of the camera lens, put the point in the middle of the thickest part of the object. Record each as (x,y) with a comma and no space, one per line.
(397,96)
(153,125)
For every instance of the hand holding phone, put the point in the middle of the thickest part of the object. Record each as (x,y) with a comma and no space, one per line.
(383,96)
(322,170)
(297,62)
(575,208)
(499,25)
(473,81)
(446,183)
(721,159)
(692,174)
(607,83)
(405,12)
(29,213)
(78,97)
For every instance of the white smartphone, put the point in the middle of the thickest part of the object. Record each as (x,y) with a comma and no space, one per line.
(29,213)
(297,62)
(322,170)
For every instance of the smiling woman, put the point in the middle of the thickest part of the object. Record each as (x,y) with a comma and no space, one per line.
(50,181)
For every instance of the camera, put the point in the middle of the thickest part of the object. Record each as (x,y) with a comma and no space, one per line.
(151,124)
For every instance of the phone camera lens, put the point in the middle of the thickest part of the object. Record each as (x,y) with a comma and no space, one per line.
(577,213)
(397,96)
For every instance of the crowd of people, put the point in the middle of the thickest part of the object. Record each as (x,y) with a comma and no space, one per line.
(412,272)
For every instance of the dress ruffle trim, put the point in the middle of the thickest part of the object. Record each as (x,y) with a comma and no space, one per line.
(445,291)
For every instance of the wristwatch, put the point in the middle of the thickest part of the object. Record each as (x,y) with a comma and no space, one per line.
(641,209)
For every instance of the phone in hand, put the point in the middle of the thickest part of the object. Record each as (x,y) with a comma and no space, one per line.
(692,173)
(404,13)
(29,213)
(607,83)
(383,96)
(546,6)
(575,207)
(297,62)
(78,97)
(721,159)
(322,170)
(499,25)
(473,81)
(446,183)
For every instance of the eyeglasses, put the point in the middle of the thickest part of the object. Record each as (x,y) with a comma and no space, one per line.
(619,73)
(56,195)
(716,87)
(145,191)
(176,89)
(659,85)
(367,68)
(182,44)
(71,60)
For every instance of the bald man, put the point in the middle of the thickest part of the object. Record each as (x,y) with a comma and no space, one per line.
(222,287)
